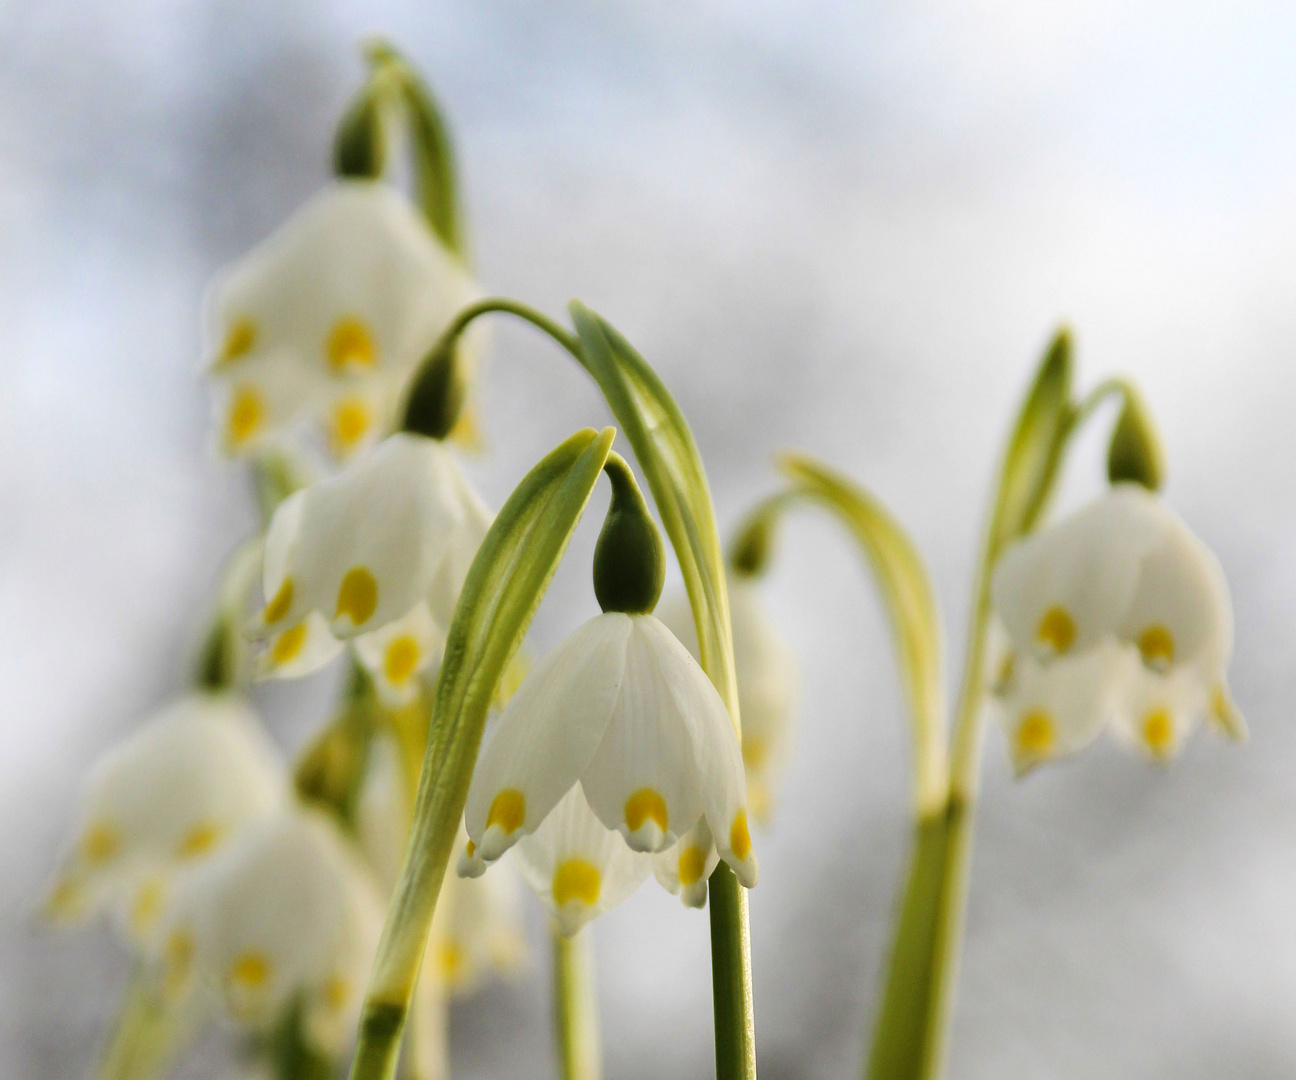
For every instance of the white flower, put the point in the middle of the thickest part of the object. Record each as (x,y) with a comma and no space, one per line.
(769,684)
(171,795)
(377,554)
(1117,616)
(577,867)
(326,320)
(285,914)
(622,710)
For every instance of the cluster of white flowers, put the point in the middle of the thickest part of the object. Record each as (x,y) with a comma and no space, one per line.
(1116,617)
(190,837)
(321,326)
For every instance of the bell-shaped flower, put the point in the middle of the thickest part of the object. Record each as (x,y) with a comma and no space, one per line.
(1116,616)
(769,684)
(324,322)
(171,795)
(383,548)
(288,914)
(621,709)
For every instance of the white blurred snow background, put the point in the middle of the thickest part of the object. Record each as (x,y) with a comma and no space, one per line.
(845,228)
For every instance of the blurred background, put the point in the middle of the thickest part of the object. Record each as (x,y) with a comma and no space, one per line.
(845,228)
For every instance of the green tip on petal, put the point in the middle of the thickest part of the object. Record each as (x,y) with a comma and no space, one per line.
(1135,452)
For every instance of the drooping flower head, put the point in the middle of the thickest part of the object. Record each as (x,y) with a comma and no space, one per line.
(324,322)
(172,795)
(768,684)
(376,554)
(286,915)
(1116,616)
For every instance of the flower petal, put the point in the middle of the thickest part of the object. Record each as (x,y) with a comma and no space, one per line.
(397,655)
(547,735)
(1158,711)
(1067,586)
(646,778)
(576,867)
(368,541)
(299,650)
(1053,708)
(685,867)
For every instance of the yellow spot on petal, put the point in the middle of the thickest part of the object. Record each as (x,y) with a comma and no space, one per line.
(245,417)
(240,339)
(146,905)
(450,961)
(692,862)
(642,805)
(199,840)
(336,992)
(401,659)
(65,900)
(471,849)
(1036,735)
(251,971)
(350,345)
(288,644)
(278,607)
(178,960)
(1158,732)
(357,596)
(1157,645)
(739,837)
(1057,629)
(755,751)
(507,810)
(100,844)
(576,879)
(352,419)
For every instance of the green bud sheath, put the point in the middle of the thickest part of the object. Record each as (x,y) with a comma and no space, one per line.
(629,559)
(437,395)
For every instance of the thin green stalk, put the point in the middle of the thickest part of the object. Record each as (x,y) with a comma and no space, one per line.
(576,1021)
(731,986)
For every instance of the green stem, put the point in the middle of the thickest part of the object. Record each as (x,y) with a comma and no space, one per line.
(575,1008)
(731,982)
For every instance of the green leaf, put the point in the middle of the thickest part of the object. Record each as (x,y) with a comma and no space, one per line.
(505,584)
(911,606)
(664,447)
(1135,452)
(436,181)
(1034,451)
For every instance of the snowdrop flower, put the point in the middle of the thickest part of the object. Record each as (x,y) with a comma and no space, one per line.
(173,794)
(768,684)
(285,914)
(623,710)
(376,554)
(1116,616)
(326,320)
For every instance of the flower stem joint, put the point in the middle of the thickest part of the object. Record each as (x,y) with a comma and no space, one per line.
(629,558)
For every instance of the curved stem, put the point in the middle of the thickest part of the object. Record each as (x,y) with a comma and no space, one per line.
(575,1008)
(510,307)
